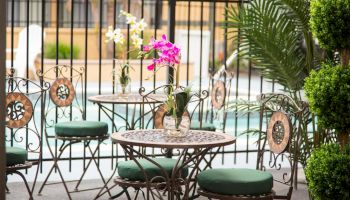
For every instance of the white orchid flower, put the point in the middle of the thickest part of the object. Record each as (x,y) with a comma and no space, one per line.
(109,33)
(118,36)
(136,40)
(130,19)
(142,24)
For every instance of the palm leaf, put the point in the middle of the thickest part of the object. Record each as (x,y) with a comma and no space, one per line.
(272,39)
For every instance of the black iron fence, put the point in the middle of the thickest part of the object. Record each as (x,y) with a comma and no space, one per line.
(197,26)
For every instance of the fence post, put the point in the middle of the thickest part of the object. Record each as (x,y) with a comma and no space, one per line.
(171,33)
(171,38)
(2,96)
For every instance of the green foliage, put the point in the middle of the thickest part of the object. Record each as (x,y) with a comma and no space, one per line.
(64,51)
(124,77)
(177,102)
(328,92)
(272,34)
(330,23)
(328,172)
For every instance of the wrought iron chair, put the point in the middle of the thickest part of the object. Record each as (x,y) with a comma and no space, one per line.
(131,174)
(66,117)
(25,102)
(282,117)
(220,89)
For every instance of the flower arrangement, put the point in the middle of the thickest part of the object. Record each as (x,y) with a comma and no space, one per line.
(116,35)
(168,54)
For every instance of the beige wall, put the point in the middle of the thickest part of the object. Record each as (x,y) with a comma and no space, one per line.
(107,70)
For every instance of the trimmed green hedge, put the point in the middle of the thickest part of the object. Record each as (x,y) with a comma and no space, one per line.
(328,93)
(330,23)
(64,51)
(328,173)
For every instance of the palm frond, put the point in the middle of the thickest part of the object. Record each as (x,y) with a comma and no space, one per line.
(299,11)
(244,107)
(272,40)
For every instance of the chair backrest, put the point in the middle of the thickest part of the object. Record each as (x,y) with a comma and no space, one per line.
(220,92)
(34,49)
(25,103)
(66,95)
(280,128)
(158,110)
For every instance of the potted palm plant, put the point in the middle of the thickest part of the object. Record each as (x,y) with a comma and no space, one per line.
(275,35)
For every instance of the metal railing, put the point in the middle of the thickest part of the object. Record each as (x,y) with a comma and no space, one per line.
(198,25)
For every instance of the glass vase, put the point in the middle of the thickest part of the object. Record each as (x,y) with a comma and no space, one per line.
(176,127)
(124,88)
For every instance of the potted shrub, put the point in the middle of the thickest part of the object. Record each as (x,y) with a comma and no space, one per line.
(330,24)
(327,90)
(328,93)
(328,172)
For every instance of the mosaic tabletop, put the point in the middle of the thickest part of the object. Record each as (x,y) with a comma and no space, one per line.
(158,138)
(129,98)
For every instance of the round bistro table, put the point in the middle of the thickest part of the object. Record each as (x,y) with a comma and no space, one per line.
(126,99)
(191,150)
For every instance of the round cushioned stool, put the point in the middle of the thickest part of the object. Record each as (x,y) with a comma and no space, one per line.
(131,171)
(81,129)
(15,156)
(236,181)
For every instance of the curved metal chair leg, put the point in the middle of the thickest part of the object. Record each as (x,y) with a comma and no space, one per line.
(125,190)
(93,160)
(26,184)
(55,166)
(36,174)
(100,193)
(6,188)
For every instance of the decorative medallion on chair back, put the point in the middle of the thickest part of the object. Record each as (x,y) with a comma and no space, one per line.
(215,105)
(66,94)
(25,103)
(280,126)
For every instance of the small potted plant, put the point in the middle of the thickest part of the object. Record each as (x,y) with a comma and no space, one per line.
(124,78)
(116,35)
(177,120)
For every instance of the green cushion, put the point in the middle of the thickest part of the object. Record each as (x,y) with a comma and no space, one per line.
(235,181)
(81,128)
(195,125)
(131,171)
(15,155)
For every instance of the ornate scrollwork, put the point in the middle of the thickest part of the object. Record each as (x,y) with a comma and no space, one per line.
(19,110)
(62,92)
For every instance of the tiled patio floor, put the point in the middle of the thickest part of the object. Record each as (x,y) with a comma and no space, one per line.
(56,192)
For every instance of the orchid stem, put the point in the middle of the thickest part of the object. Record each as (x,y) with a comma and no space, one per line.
(177,75)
